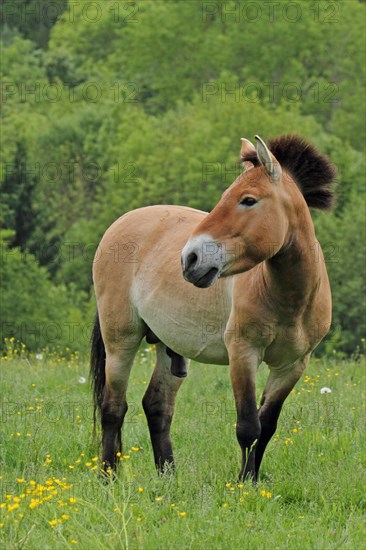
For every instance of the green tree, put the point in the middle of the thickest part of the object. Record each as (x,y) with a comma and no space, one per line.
(114,106)
(31,18)
(17,189)
(35,311)
(343,239)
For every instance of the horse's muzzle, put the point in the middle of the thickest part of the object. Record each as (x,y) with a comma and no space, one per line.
(201,262)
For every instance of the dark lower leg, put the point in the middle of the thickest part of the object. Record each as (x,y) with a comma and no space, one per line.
(159,417)
(159,403)
(268,418)
(276,391)
(112,416)
(248,430)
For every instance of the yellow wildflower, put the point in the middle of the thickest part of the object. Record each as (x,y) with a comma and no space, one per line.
(12,507)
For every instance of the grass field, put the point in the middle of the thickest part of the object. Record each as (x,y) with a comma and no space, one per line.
(312,488)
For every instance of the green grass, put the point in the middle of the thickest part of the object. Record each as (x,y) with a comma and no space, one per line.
(311,492)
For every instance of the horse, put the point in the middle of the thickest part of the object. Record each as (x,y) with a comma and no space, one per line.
(243,284)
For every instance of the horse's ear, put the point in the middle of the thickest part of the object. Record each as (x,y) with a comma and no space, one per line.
(248,153)
(268,161)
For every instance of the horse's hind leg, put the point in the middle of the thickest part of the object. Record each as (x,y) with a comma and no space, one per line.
(158,403)
(119,360)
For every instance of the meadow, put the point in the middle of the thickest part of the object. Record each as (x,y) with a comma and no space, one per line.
(311,493)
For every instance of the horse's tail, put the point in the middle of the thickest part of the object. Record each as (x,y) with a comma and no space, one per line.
(97,367)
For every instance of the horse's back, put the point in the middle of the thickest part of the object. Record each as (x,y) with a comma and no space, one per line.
(137,273)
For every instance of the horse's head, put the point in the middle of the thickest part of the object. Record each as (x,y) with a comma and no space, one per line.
(246,227)
(251,223)
(259,212)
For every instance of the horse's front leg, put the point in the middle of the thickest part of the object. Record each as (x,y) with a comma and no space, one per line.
(278,386)
(244,362)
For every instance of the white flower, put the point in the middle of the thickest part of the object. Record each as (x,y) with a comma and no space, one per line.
(39,356)
(82,380)
(325,390)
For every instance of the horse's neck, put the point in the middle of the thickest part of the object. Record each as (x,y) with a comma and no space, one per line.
(294,273)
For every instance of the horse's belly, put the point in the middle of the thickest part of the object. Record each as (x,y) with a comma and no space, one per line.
(186,319)
(199,345)
(189,320)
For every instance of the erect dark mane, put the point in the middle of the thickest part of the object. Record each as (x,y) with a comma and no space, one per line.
(313,173)
(250,157)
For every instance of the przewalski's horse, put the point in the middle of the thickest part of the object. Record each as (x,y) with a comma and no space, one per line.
(260,292)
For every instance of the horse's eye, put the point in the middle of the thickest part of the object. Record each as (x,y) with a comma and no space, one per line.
(248,201)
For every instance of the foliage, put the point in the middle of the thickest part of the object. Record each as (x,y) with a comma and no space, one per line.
(36,311)
(346,270)
(110,106)
(31,18)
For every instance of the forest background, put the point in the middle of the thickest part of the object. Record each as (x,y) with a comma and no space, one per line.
(109,106)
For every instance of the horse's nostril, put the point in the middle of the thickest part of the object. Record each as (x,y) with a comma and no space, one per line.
(191,260)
